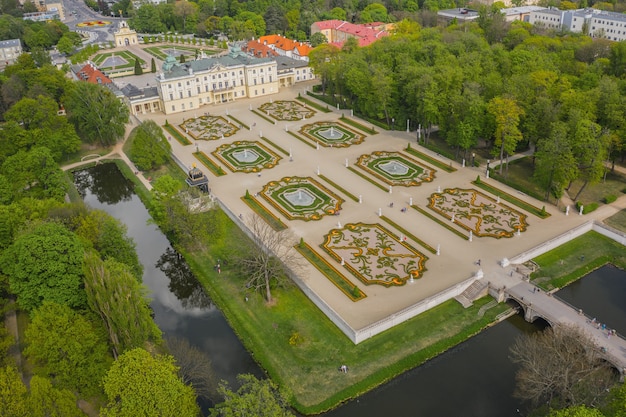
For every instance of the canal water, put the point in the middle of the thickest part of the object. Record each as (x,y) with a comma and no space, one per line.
(474,379)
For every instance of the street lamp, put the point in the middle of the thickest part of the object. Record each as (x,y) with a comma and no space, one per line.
(473,157)
(487,172)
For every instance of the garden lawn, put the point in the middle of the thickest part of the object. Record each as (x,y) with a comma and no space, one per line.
(595,193)
(618,220)
(576,258)
(308,365)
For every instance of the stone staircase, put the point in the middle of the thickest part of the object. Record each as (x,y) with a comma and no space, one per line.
(477,289)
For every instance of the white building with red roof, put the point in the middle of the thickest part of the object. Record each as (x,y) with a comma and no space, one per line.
(338,31)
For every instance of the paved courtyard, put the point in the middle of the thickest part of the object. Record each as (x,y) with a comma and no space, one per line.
(392,269)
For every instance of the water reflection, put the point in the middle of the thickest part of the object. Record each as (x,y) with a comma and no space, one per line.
(105,182)
(183,283)
(180,310)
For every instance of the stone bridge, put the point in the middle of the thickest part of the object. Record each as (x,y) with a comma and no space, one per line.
(536,303)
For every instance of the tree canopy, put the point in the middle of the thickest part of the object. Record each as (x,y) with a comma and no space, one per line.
(45,264)
(149,148)
(97,114)
(141,384)
(260,398)
(67,347)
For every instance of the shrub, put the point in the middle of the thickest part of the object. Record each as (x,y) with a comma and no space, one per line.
(610,198)
(477,179)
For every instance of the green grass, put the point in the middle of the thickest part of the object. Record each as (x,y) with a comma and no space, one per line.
(275,145)
(368,179)
(409,235)
(330,272)
(340,188)
(309,369)
(300,138)
(577,258)
(176,134)
(217,170)
(512,199)
(358,125)
(430,160)
(128,56)
(261,115)
(274,222)
(157,51)
(618,220)
(310,103)
(441,222)
(596,193)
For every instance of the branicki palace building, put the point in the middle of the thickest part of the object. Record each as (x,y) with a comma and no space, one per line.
(191,85)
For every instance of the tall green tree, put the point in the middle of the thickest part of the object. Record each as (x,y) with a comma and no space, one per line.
(109,237)
(141,384)
(260,398)
(45,264)
(138,70)
(120,301)
(96,113)
(35,173)
(67,348)
(590,149)
(47,401)
(13,393)
(507,114)
(149,148)
(555,165)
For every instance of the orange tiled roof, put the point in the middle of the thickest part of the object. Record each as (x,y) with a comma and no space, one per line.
(366,33)
(280,42)
(93,75)
(259,50)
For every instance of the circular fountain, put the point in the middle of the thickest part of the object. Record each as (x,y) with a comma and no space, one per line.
(300,197)
(246,155)
(394,168)
(330,133)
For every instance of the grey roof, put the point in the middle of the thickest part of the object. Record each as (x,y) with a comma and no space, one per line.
(132,92)
(460,13)
(284,62)
(231,60)
(10,43)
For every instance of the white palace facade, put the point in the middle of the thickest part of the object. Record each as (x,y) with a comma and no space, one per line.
(191,85)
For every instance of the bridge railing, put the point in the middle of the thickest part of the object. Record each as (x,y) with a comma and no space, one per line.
(581,313)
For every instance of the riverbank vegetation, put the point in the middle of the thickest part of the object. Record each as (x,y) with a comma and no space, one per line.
(297,344)
(575,259)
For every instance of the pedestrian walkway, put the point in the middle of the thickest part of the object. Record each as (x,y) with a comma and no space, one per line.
(453,266)
(537,303)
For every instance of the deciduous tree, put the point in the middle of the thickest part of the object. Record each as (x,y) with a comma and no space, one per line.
(561,366)
(149,148)
(259,398)
(140,384)
(67,348)
(120,301)
(507,114)
(267,257)
(45,264)
(98,115)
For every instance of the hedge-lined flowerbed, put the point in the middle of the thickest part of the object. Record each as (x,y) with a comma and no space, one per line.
(330,272)
(274,222)
(430,160)
(217,170)
(340,188)
(441,222)
(368,179)
(539,212)
(176,134)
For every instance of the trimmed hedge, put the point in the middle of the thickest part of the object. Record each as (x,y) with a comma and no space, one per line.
(368,179)
(430,160)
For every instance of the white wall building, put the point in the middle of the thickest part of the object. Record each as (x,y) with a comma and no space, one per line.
(592,22)
(9,51)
